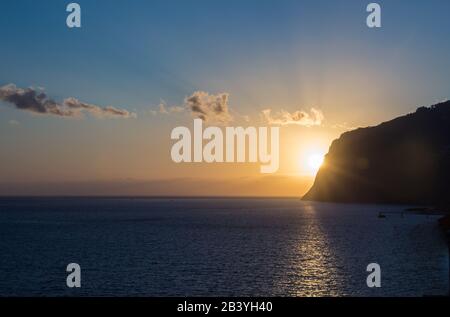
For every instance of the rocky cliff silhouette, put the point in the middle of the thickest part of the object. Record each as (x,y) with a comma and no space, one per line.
(405,160)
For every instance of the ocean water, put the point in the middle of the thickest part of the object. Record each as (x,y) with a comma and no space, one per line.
(216,247)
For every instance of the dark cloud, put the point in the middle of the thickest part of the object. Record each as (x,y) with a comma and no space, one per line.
(208,107)
(36,101)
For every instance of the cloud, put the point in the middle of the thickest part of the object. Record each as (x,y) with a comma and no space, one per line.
(164,109)
(36,101)
(75,105)
(343,126)
(208,107)
(315,118)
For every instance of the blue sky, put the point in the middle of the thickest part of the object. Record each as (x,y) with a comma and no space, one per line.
(147,50)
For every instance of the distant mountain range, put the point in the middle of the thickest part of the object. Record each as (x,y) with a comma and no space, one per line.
(405,160)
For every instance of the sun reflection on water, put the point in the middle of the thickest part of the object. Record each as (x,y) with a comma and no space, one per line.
(312,269)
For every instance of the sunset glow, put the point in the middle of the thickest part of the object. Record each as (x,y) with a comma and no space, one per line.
(315,161)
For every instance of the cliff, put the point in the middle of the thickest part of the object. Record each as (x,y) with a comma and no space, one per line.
(405,160)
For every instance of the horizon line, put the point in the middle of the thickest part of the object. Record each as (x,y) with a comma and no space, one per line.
(149,197)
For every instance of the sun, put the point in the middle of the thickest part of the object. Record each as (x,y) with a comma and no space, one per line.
(315,161)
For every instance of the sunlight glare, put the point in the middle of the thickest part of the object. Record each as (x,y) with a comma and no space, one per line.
(315,161)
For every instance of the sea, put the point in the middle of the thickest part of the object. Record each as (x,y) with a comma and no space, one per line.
(217,247)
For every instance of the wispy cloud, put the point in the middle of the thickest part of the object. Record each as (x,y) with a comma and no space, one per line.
(35,100)
(164,109)
(300,117)
(343,126)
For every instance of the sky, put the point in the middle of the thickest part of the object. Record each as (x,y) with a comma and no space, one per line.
(113,90)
